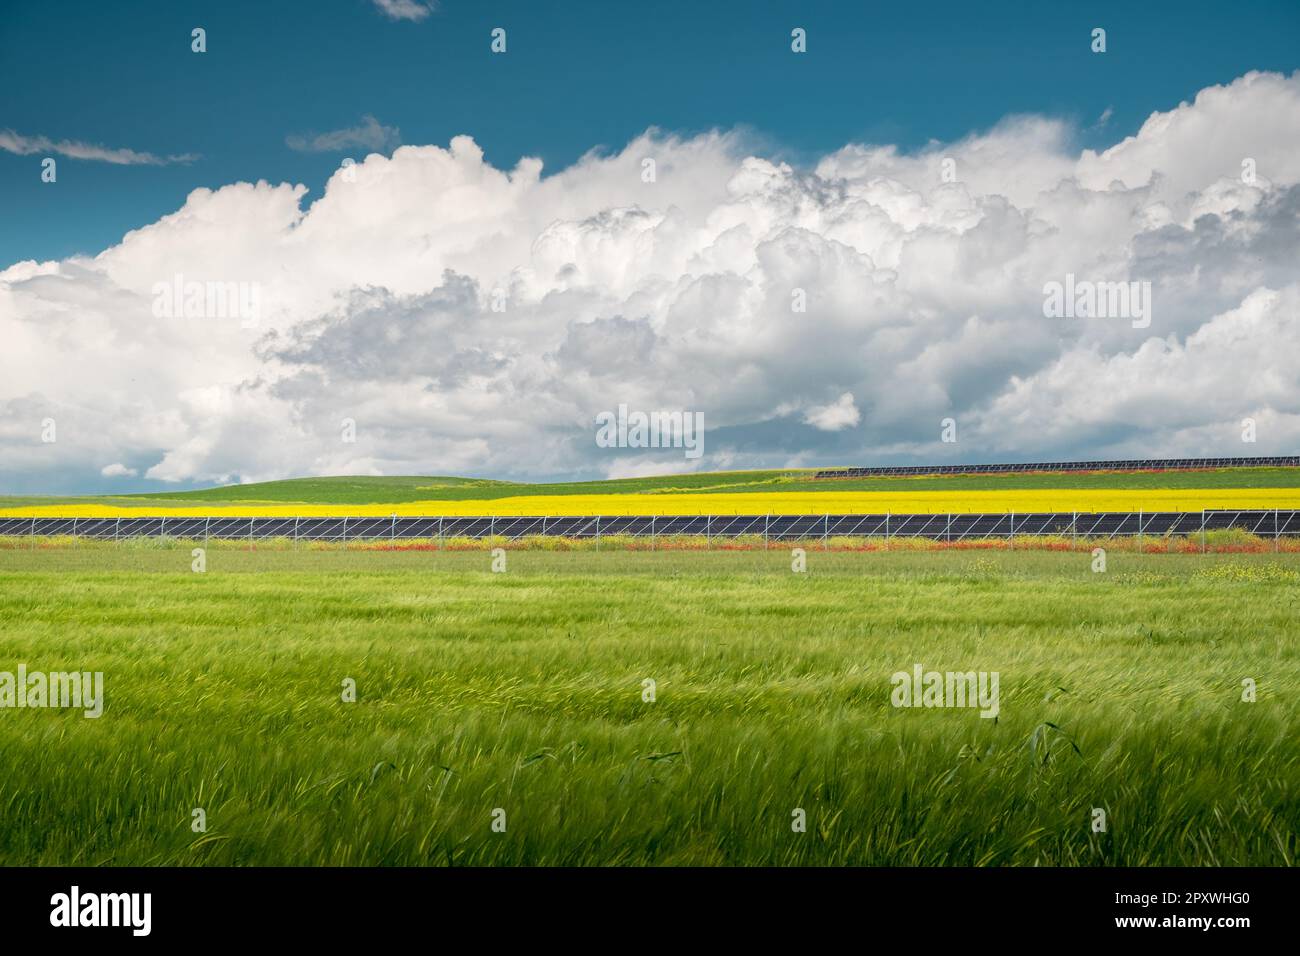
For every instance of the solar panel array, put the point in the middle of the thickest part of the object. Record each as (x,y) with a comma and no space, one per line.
(949,527)
(1139,464)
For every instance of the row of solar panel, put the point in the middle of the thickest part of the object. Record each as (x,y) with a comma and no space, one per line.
(1145,464)
(941,526)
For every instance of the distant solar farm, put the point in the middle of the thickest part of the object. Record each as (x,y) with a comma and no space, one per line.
(1149,498)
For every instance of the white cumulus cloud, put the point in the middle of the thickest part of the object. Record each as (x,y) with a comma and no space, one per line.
(839,414)
(473,320)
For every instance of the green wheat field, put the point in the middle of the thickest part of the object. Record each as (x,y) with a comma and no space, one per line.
(522,692)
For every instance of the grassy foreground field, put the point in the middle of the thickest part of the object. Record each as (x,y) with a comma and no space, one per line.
(524,691)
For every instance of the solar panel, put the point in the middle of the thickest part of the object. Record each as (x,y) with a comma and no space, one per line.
(1277,523)
(1140,464)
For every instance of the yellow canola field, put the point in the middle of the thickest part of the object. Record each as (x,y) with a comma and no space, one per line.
(778,503)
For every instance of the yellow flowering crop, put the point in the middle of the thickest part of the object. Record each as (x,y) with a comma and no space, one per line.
(1063,500)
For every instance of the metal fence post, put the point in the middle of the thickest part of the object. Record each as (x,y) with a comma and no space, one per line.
(597,532)
(117,526)
(767,521)
(708,532)
(345,532)
(392,529)
(74,530)
(1202,531)
(441,545)
(886,530)
(1074,531)
(1012,540)
(826,532)
(652,532)
(295,533)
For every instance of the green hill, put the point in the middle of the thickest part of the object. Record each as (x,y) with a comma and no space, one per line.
(399,489)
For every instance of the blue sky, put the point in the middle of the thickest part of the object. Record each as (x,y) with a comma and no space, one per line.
(577,76)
